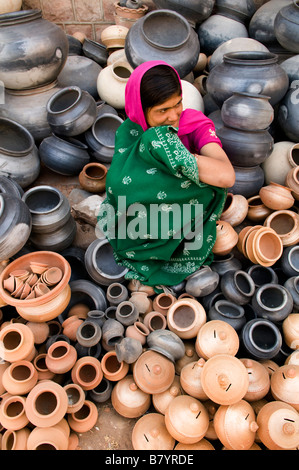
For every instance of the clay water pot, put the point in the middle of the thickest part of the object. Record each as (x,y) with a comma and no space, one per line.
(128,350)
(3,366)
(285,224)
(46,404)
(235,425)
(290,328)
(292,182)
(61,357)
(95,51)
(264,246)
(185,317)
(48,438)
(126,313)
(16,342)
(260,339)
(150,433)
(162,302)
(111,83)
(15,440)
(12,412)
(142,302)
(88,333)
(186,419)
(285,383)
(224,379)
(161,400)
(97,316)
(222,264)
(202,282)
(92,178)
(153,372)
(76,397)
(116,293)
(272,302)
(248,180)
(190,379)
(129,400)
(226,238)
(155,321)
(290,261)
(87,372)
(276,196)
(285,27)
(216,337)
(229,312)
(43,372)
(262,274)
(138,331)
(20,377)
(257,211)
(114,36)
(112,332)
(101,392)
(70,326)
(235,209)
(237,286)
(84,419)
(293,358)
(194,12)
(40,331)
(259,380)
(112,368)
(190,355)
(278,426)
(166,342)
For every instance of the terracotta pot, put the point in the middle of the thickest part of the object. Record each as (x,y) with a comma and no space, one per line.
(43,372)
(162,302)
(70,326)
(284,384)
(129,400)
(20,377)
(13,412)
(216,337)
(46,404)
(226,238)
(276,196)
(16,342)
(150,433)
(278,426)
(138,331)
(286,224)
(61,357)
(224,379)
(113,370)
(235,209)
(293,358)
(153,373)
(257,211)
(190,379)
(3,366)
(282,159)
(155,321)
(142,302)
(186,419)
(114,36)
(235,425)
(292,182)
(87,372)
(84,419)
(203,444)
(162,400)
(40,331)
(76,397)
(190,355)
(15,440)
(185,317)
(48,438)
(290,328)
(259,380)
(264,246)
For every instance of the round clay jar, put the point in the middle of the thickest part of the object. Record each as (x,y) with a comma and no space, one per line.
(224,379)
(185,317)
(285,384)
(162,400)
(216,337)
(153,373)
(150,433)
(290,328)
(189,356)
(259,380)
(186,419)
(128,400)
(191,381)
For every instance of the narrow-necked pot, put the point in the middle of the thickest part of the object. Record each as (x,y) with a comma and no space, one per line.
(224,263)
(185,317)
(92,178)
(237,286)
(229,312)
(262,274)
(89,333)
(260,339)
(273,302)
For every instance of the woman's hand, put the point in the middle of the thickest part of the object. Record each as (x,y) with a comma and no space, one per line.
(214,166)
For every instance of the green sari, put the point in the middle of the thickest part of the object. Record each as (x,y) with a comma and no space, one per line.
(154,173)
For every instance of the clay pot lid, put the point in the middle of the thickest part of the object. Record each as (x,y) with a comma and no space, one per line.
(153,372)
(259,380)
(52,275)
(216,337)
(203,444)
(150,433)
(285,384)
(224,379)
(282,424)
(162,400)
(127,393)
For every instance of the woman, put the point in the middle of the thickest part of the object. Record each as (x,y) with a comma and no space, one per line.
(166,184)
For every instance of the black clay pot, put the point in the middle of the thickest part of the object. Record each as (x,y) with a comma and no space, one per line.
(100,138)
(94,351)
(272,302)
(222,264)
(163,35)
(260,339)
(11,187)
(288,115)
(262,274)
(80,71)
(89,333)
(292,285)
(229,312)
(249,180)
(261,26)
(102,392)
(237,286)
(95,51)
(240,10)
(192,10)
(286,27)
(289,261)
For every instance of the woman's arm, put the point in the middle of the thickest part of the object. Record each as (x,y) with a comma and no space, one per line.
(214,166)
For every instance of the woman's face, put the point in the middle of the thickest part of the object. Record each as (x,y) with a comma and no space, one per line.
(165,114)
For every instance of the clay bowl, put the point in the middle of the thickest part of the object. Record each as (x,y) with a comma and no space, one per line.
(243,237)
(267,246)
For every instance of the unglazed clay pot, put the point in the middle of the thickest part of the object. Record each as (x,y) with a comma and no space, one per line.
(70,326)
(61,357)
(202,282)
(235,425)
(259,380)
(150,433)
(283,158)
(235,209)
(16,342)
(224,379)
(153,373)
(203,444)
(111,83)
(292,182)
(272,302)
(190,355)
(76,397)
(155,321)
(138,331)
(142,302)
(162,302)
(102,392)
(39,363)
(126,313)
(129,400)
(216,337)
(185,317)
(278,425)
(40,331)
(116,293)
(84,419)
(286,225)
(88,333)
(276,196)
(290,328)
(186,419)
(260,339)
(13,414)
(112,368)
(48,438)
(19,378)
(161,400)
(257,211)
(229,312)
(226,238)
(285,384)
(237,286)
(112,332)
(190,379)
(15,440)
(128,350)
(87,372)
(166,342)
(46,404)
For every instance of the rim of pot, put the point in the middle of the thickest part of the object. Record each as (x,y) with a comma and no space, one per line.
(20,129)
(237,308)
(272,286)
(95,165)
(247,278)
(102,117)
(251,95)
(95,265)
(2,204)
(19,16)
(250,58)
(255,325)
(121,64)
(289,257)
(167,14)
(36,189)
(70,141)
(58,95)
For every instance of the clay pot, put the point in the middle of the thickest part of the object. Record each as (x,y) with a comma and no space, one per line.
(262,274)
(112,368)
(226,238)
(229,312)
(87,372)
(276,196)
(289,261)
(153,373)
(76,397)
(248,180)
(128,400)
(166,342)
(224,379)
(150,433)
(112,332)
(290,328)
(285,27)
(202,282)
(101,392)
(155,321)
(82,72)
(237,286)
(282,159)
(138,331)
(97,316)
(203,444)
(15,440)
(3,366)
(12,412)
(19,378)
(61,357)
(162,400)
(43,372)
(128,16)
(10,6)
(126,313)
(193,12)
(216,337)
(114,36)
(162,302)
(263,246)
(222,264)
(189,356)
(260,339)
(186,419)
(278,424)
(272,302)
(116,293)
(284,384)
(235,425)
(48,438)
(100,137)
(257,211)
(84,419)
(88,333)
(46,404)
(259,380)
(95,51)
(16,342)
(142,302)
(292,182)
(71,111)
(40,331)
(185,317)
(235,209)
(128,350)
(190,379)
(111,83)
(70,326)
(286,224)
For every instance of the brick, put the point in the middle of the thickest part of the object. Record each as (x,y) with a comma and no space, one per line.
(31,5)
(88,10)
(58,11)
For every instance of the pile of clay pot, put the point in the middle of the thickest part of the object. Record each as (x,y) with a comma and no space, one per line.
(197,366)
